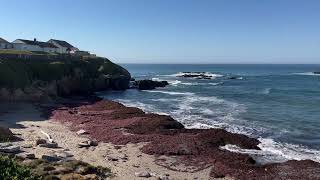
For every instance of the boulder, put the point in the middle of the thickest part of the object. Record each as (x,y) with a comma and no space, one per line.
(5,134)
(40,141)
(149,84)
(64,154)
(49,145)
(9,148)
(93,142)
(27,156)
(50,158)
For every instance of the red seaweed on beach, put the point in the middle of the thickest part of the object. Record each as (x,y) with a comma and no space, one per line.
(113,122)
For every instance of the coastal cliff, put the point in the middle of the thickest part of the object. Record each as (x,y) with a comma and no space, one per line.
(41,80)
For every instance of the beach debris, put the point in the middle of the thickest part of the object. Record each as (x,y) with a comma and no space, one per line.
(82,132)
(144,174)
(9,148)
(48,136)
(40,141)
(50,158)
(83,144)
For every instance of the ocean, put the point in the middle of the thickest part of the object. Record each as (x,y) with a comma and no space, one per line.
(278,104)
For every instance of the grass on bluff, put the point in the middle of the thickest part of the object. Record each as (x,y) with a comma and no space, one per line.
(12,51)
(22,52)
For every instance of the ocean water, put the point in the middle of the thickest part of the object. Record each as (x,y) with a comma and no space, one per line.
(278,104)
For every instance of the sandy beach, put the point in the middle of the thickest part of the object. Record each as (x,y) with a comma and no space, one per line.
(124,161)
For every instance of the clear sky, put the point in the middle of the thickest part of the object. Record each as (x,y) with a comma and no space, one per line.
(173,31)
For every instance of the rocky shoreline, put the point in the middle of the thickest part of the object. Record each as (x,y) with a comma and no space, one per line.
(174,146)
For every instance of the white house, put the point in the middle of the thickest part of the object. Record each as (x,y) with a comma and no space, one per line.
(63,46)
(5,44)
(28,45)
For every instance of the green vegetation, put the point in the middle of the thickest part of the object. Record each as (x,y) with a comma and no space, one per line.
(12,51)
(20,73)
(11,170)
(22,52)
(17,169)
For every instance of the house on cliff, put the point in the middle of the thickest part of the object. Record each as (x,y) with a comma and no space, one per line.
(28,45)
(5,44)
(63,46)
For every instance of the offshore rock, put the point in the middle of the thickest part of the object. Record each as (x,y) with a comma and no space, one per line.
(149,84)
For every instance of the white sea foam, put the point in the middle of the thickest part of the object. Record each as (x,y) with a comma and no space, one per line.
(170,92)
(266,91)
(307,74)
(289,151)
(179,74)
(272,151)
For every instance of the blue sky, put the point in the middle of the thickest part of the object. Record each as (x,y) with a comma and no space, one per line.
(173,31)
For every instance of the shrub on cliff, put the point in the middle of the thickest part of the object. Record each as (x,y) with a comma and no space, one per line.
(11,170)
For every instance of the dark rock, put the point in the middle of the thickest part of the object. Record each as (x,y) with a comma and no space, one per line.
(149,84)
(40,141)
(50,158)
(5,134)
(9,148)
(316,72)
(49,145)
(197,75)
(93,142)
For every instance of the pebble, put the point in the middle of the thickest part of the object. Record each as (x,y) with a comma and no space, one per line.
(82,132)
(143,174)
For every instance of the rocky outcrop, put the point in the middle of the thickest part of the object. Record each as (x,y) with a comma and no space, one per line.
(149,84)
(37,80)
(194,148)
(196,75)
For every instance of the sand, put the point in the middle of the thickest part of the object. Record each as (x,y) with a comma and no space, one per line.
(25,121)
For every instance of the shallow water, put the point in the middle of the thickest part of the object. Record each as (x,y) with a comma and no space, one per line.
(279,104)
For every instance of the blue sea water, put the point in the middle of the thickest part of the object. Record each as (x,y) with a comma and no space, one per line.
(278,104)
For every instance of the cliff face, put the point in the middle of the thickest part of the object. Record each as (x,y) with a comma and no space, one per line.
(36,80)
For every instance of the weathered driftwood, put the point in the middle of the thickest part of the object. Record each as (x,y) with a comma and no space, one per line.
(48,136)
